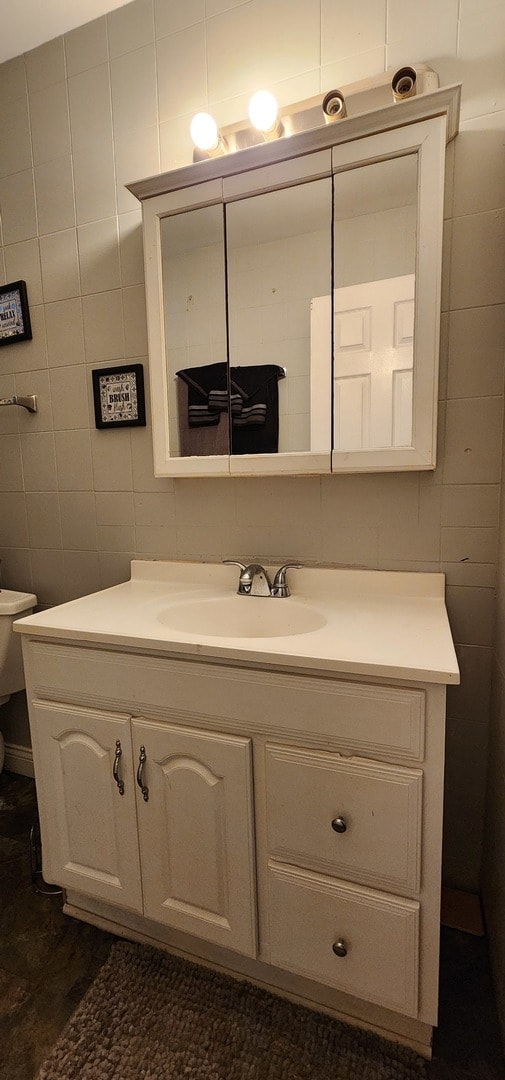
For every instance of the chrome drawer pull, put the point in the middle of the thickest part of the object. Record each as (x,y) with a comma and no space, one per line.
(339,947)
(339,824)
(140,778)
(115,768)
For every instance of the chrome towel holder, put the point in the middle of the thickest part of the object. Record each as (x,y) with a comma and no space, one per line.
(29,402)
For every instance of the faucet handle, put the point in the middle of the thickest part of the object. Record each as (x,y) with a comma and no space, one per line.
(280,586)
(233,562)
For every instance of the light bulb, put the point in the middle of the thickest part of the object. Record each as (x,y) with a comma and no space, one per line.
(204,133)
(263,111)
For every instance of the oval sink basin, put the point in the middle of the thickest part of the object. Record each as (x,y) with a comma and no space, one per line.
(243,617)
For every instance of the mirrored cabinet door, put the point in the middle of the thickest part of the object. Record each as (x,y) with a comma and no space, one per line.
(278,259)
(387,247)
(196,349)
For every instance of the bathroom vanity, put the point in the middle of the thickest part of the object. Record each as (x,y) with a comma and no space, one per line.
(255,783)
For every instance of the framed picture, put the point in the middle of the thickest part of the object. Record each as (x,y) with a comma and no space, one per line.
(14,314)
(118,395)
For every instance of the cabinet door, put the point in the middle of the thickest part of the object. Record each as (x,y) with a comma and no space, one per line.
(89,831)
(196,833)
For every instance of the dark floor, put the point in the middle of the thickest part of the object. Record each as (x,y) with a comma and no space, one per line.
(48,960)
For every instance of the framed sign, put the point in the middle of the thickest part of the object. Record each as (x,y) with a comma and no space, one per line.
(14,314)
(118,395)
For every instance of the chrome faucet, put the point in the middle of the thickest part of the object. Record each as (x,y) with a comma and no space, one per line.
(254,580)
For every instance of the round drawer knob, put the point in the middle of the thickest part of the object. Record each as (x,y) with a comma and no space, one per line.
(339,948)
(339,824)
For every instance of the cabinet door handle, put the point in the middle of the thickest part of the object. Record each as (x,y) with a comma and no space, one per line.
(339,824)
(339,947)
(115,768)
(140,778)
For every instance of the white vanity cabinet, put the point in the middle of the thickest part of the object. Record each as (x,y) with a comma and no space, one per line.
(154,818)
(284,825)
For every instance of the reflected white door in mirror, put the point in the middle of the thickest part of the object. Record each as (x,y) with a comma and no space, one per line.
(253,369)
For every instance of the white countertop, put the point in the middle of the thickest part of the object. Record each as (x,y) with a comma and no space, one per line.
(374,622)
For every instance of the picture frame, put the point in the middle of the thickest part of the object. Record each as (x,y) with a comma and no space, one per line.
(15,322)
(118,395)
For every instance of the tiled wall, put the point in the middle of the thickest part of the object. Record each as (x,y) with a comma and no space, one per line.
(111,102)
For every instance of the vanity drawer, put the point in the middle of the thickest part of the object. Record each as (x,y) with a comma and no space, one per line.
(364,718)
(311,916)
(353,818)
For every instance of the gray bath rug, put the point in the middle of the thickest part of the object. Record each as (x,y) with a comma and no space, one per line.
(151,1016)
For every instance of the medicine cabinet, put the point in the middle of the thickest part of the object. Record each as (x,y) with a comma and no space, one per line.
(293,299)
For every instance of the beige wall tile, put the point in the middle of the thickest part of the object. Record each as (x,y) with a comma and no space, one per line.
(17,200)
(475,544)
(172,17)
(470,700)
(22,261)
(181,72)
(176,147)
(137,154)
(16,569)
(90,108)
(99,255)
(135,321)
(14,528)
(86,47)
(471,614)
(482,25)
(78,527)
(465,779)
(59,262)
(134,91)
(94,184)
(476,352)
(131,248)
(361,30)
(479,165)
(130,27)
(44,523)
(351,69)
(32,355)
(478,259)
(65,334)
(143,465)
(12,79)
(471,504)
(54,188)
(50,123)
(48,576)
(115,567)
(104,336)
(15,138)
(81,572)
(294,22)
(45,65)
(112,464)
(39,461)
(69,396)
(482,575)
(114,508)
(158,541)
(412,31)
(73,460)
(473,441)
(11,468)
(115,538)
(154,508)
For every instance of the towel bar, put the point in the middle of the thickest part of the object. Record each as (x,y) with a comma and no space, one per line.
(29,402)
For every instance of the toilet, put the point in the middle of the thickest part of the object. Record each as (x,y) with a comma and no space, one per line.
(13,605)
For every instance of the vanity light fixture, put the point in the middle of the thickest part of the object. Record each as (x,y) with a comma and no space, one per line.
(205,135)
(403,83)
(264,115)
(334,106)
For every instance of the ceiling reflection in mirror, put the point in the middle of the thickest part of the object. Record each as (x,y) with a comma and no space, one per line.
(375,233)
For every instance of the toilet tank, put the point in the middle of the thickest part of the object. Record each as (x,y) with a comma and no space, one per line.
(13,605)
